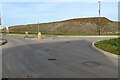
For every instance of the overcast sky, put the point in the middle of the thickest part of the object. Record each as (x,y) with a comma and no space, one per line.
(15,13)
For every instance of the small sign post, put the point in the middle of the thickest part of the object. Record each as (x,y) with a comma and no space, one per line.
(7,30)
(26,34)
(39,35)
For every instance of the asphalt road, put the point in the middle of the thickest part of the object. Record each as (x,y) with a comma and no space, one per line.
(55,57)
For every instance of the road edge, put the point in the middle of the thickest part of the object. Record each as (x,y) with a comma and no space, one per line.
(104,52)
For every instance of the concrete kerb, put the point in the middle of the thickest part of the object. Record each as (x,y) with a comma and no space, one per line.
(92,36)
(104,52)
(3,41)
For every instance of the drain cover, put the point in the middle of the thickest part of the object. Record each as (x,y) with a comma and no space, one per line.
(51,59)
(91,64)
(67,42)
(47,49)
(4,79)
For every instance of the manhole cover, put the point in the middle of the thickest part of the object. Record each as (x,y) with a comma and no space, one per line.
(51,59)
(29,76)
(91,64)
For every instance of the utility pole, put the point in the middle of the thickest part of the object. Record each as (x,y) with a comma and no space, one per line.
(99,29)
(0,23)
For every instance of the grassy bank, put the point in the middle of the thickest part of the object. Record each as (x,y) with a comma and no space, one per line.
(111,45)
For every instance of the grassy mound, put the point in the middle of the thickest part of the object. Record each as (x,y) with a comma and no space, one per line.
(111,45)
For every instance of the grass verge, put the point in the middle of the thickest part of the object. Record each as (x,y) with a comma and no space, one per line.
(111,45)
(62,33)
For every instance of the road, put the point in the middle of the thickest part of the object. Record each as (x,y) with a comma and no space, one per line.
(56,57)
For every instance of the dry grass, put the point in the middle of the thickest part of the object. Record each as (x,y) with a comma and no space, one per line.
(72,26)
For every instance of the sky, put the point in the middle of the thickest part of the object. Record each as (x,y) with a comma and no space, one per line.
(20,13)
(58,0)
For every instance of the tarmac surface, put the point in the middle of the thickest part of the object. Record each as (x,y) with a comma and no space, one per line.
(55,57)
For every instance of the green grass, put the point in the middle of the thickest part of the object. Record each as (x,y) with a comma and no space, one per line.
(111,45)
(53,33)
(20,32)
(62,33)
(65,33)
